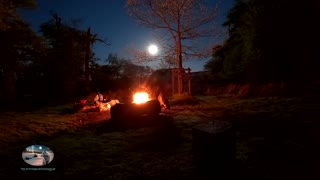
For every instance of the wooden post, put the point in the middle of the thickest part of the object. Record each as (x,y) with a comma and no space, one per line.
(189,81)
(180,81)
(172,81)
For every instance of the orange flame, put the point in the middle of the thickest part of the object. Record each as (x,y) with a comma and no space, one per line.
(140,97)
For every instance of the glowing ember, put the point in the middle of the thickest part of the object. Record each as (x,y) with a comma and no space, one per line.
(140,97)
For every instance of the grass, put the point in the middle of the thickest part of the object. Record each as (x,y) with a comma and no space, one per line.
(276,138)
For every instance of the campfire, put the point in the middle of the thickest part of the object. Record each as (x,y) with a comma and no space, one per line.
(140,97)
(142,105)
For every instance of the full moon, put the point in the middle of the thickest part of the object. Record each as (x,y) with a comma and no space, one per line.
(153,49)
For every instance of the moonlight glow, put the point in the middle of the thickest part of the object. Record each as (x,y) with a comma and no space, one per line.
(153,49)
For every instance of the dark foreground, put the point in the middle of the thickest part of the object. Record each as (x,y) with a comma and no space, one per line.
(276,138)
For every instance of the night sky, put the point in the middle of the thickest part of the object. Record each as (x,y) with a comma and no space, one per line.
(108,19)
(37,147)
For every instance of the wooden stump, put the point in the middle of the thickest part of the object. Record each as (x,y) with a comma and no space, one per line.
(149,108)
(134,114)
(214,147)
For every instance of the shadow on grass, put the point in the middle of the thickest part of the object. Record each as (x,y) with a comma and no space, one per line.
(114,125)
(271,146)
(184,100)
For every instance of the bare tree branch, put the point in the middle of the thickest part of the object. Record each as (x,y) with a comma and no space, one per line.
(184,20)
(194,18)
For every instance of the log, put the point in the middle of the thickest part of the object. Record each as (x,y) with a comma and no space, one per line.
(128,111)
(135,115)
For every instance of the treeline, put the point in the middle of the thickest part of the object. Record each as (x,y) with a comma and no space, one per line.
(51,66)
(270,41)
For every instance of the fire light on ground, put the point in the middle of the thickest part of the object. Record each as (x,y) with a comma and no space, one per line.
(104,106)
(140,97)
(107,106)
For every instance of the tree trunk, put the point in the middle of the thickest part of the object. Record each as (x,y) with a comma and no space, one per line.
(179,59)
(180,81)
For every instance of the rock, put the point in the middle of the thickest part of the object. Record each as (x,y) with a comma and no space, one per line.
(214,146)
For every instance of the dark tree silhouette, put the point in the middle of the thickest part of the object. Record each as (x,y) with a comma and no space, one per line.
(16,46)
(271,41)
